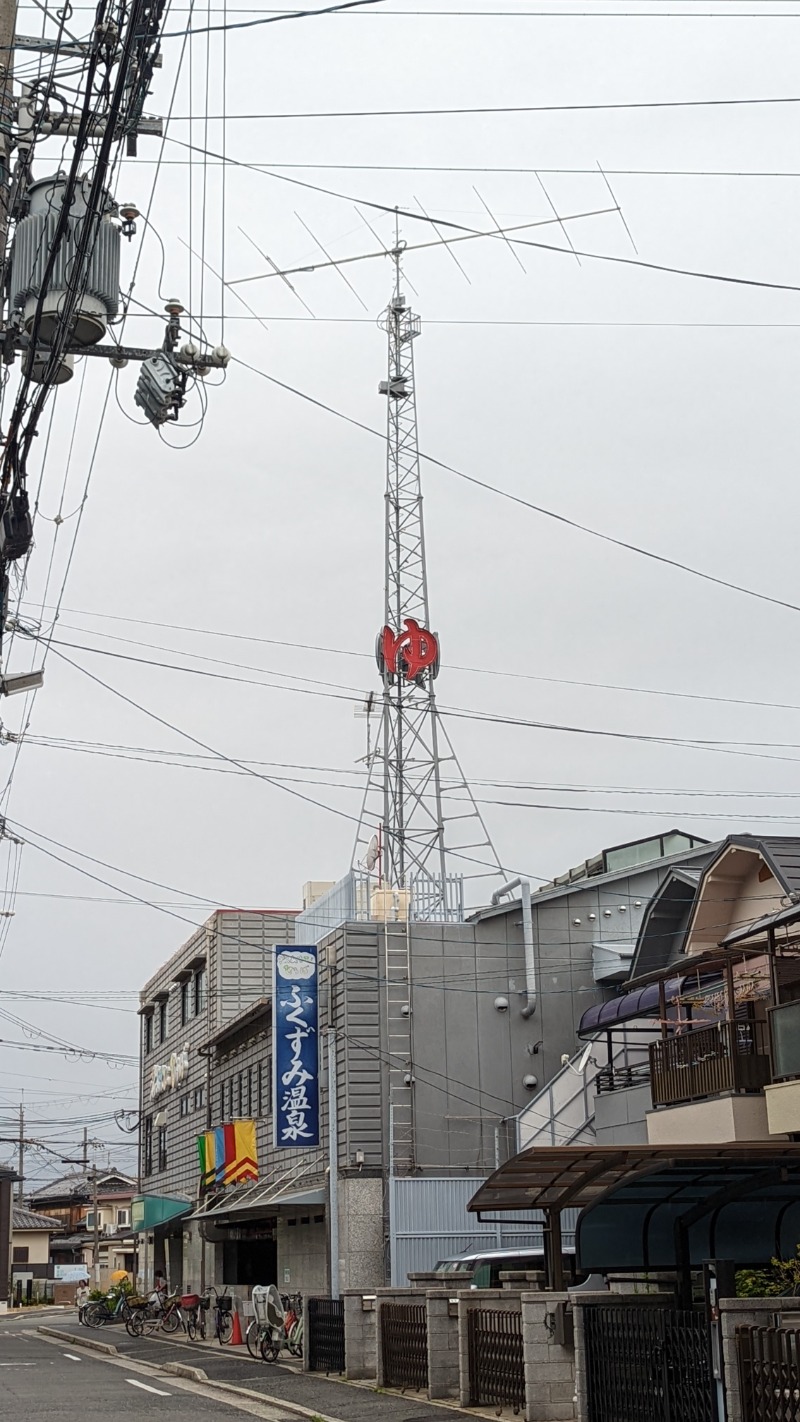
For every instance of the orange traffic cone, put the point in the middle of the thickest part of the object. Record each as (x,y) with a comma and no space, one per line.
(236,1335)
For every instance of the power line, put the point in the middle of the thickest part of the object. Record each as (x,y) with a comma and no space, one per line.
(528,503)
(271,19)
(492,109)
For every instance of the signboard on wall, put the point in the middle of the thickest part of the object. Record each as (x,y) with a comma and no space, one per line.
(295,1047)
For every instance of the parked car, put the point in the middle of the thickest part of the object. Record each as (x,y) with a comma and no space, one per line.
(486,1265)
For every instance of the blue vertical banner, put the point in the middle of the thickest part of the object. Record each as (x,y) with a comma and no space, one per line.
(295,1047)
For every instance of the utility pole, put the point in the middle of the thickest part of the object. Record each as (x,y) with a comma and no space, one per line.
(86,1149)
(96,1238)
(333,1163)
(8,24)
(21,1154)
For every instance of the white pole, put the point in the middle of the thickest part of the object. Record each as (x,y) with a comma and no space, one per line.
(333,1163)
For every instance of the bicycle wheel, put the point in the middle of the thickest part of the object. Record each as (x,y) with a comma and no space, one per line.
(224,1327)
(294,1341)
(253,1338)
(95,1315)
(133,1324)
(192,1325)
(270,1347)
(171,1321)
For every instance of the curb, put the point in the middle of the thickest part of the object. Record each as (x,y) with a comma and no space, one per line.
(97,1347)
(183,1370)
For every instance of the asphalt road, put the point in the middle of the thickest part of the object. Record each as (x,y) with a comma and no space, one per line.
(41,1380)
(276,1384)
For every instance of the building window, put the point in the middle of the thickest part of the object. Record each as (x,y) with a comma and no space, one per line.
(123,1218)
(89,1221)
(20,1255)
(250,1072)
(222,1101)
(183,1105)
(148,1146)
(239,1094)
(199,1098)
(162,1022)
(148,1032)
(199,992)
(230,1098)
(185,995)
(264,1087)
(162,1147)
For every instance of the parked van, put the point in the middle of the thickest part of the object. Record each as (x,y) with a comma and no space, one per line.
(486,1265)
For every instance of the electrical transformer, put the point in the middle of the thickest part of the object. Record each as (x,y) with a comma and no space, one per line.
(96,277)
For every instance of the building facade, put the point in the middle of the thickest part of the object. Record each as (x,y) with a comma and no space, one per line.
(440,1036)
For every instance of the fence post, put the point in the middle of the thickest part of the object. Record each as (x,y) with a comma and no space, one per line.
(360,1335)
(740,1313)
(549,1366)
(443,1369)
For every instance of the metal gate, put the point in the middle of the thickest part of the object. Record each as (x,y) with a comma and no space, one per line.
(404,1343)
(769,1373)
(325,1335)
(650,1363)
(496,1362)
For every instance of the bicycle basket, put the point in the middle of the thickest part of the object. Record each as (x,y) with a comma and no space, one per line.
(190,1300)
(204,1302)
(225,1303)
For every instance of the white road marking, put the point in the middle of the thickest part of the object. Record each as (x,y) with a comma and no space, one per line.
(147,1388)
(72,1357)
(17,1365)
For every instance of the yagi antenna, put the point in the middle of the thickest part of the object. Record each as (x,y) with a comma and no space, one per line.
(332,260)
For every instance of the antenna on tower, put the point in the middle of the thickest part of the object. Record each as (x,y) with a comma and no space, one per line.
(414,771)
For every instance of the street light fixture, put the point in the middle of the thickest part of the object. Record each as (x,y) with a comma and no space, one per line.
(22,681)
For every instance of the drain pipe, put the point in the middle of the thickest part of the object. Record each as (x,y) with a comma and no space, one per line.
(527,937)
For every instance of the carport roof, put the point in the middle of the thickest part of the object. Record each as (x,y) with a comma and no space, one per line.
(558,1177)
(660,1207)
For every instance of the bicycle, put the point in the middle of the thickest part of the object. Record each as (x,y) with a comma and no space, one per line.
(223,1315)
(169,1319)
(280,1323)
(195,1307)
(115,1309)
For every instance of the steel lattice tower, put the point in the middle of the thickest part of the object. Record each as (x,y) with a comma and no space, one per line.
(413,766)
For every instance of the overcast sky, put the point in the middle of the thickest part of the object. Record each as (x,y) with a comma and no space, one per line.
(660,409)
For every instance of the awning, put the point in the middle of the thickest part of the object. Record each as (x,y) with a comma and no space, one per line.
(641,1003)
(660,1207)
(255,1201)
(150,1211)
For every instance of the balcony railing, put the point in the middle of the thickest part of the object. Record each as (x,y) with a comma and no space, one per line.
(730,1056)
(784,1028)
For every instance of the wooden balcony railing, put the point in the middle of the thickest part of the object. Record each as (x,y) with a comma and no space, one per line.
(729,1056)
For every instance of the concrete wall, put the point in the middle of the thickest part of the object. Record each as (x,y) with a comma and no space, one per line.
(620,1116)
(711,1122)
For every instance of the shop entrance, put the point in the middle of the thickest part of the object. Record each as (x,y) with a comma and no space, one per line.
(250,1261)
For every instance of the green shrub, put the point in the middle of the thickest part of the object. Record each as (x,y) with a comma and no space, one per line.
(781,1277)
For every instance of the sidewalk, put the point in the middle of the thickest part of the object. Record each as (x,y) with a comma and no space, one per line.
(312,1394)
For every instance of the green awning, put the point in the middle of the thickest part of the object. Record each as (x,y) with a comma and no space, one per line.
(150,1211)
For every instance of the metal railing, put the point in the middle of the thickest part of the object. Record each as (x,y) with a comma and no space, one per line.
(325,1335)
(496,1359)
(729,1056)
(769,1374)
(404,1344)
(618,1078)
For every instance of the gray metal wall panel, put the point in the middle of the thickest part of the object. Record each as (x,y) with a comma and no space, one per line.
(431,1223)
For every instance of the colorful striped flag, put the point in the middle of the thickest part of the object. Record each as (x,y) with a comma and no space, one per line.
(228,1154)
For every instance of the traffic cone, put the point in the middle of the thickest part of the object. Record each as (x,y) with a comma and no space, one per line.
(236,1335)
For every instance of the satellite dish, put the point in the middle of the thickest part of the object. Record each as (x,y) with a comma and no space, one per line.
(372,853)
(584,1058)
